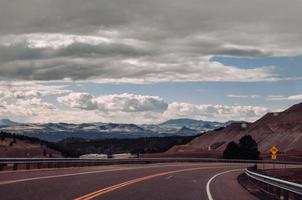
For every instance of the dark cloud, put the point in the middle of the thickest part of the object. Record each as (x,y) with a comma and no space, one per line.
(55,39)
(180,17)
(23,52)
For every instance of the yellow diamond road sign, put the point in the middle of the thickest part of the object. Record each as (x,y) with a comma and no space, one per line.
(274,150)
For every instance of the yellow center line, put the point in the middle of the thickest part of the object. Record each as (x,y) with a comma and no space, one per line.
(126,183)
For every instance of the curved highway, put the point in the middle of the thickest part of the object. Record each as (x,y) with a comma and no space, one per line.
(169,181)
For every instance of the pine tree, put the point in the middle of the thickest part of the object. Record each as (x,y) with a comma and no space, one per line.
(248,148)
(231,151)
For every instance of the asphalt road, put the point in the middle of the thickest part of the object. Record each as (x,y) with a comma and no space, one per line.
(170,181)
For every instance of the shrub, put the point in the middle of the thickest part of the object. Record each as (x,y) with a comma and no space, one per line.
(231,151)
(246,149)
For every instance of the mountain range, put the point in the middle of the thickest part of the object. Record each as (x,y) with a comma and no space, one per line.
(56,132)
(7,122)
(280,129)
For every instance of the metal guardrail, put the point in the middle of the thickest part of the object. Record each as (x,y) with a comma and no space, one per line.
(113,160)
(29,163)
(286,186)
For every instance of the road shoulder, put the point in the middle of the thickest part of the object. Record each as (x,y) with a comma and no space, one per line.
(226,187)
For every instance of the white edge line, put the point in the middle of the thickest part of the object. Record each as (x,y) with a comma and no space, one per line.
(58,176)
(89,172)
(210,197)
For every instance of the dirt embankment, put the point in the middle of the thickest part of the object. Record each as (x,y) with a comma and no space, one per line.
(293,174)
(15,148)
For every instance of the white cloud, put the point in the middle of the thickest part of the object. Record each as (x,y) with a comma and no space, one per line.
(283,98)
(23,110)
(22,100)
(115,103)
(237,96)
(120,42)
(255,96)
(172,68)
(214,112)
(78,100)
(63,40)
(295,97)
(129,61)
(83,107)
(276,97)
(132,108)
(12,90)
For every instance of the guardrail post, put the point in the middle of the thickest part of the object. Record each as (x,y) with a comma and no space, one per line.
(297,197)
(281,194)
(38,165)
(271,189)
(265,187)
(27,165)
(262,186)
(268,188)
(285,195)
(15,166)
(278,192)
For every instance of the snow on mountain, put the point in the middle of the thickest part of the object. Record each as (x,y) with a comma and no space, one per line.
(7,122)
(61,131)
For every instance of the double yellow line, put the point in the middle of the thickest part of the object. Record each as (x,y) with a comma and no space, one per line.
(124,184)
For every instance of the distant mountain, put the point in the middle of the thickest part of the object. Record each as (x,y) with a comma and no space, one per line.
(186,131)
(191,122)
(182,122)
(174,125)
(56,132)
(281,129)
(7,122)
(233,122)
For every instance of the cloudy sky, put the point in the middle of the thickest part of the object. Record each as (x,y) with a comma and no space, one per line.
(146,61)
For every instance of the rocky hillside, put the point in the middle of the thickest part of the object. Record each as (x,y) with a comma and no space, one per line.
(14,146)
(283,129)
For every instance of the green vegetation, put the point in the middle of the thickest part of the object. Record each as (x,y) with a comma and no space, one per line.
(246,149)
(74,147)
(231,151)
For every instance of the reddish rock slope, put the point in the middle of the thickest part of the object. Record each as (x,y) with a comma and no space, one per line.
(283,129)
